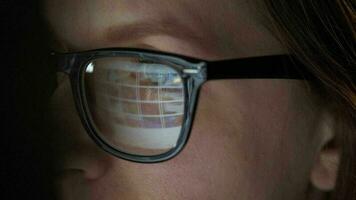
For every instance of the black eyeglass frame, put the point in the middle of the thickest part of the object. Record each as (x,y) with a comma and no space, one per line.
(194,72)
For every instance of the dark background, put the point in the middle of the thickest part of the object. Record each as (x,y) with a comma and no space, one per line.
(27,81)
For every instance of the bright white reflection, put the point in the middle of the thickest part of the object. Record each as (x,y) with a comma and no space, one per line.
(177,80)
(90,68)
(147,138)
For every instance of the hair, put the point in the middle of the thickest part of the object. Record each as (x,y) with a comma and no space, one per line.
(322,35)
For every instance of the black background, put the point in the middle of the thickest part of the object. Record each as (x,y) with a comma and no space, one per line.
(26,84)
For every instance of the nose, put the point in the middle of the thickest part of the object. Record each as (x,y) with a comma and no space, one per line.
(89,161)
(75,150)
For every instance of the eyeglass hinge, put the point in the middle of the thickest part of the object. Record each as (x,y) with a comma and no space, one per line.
(195,70)
(191,71)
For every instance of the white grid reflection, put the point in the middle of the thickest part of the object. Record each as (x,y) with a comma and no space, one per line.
(164,100)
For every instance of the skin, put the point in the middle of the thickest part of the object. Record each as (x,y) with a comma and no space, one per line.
(251,139)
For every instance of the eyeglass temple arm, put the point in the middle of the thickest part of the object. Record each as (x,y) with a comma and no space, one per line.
(269,67)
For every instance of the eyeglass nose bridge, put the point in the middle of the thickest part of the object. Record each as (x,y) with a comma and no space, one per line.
(63,62)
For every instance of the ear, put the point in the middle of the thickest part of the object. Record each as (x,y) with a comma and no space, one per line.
(325,169)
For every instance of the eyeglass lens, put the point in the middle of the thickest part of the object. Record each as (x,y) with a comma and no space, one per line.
(136,107)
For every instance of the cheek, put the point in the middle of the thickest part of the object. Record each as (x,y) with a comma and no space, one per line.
(260,130)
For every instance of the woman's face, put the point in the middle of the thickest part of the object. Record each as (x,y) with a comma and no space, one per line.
(251,139)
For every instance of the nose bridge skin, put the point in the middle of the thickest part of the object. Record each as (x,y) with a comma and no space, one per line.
(74,149)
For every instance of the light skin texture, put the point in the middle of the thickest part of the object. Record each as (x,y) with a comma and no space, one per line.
(251,139)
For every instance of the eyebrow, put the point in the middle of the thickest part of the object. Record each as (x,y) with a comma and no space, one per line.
(140,29)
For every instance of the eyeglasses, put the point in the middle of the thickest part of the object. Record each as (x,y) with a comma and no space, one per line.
(139,104)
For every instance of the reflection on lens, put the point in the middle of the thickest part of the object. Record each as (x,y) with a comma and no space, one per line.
(136,107)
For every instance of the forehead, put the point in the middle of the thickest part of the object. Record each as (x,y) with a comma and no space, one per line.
(87,24)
